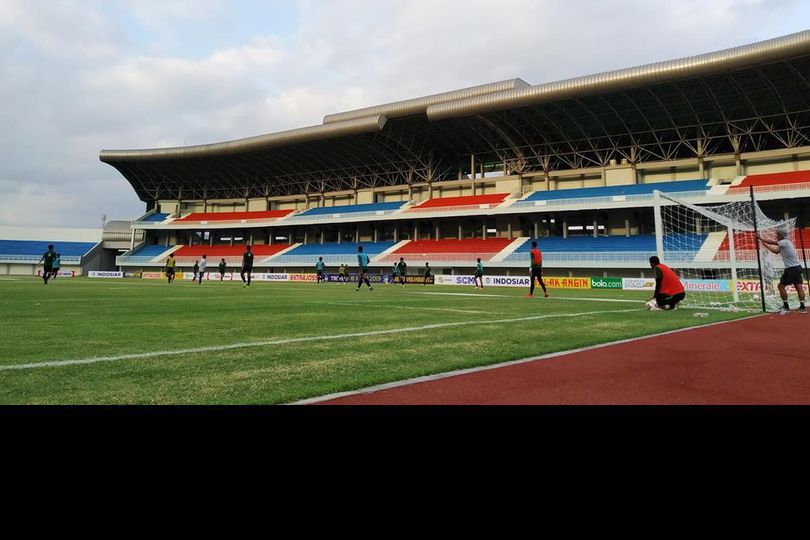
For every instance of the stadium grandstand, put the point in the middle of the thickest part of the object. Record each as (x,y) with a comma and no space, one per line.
(578,165)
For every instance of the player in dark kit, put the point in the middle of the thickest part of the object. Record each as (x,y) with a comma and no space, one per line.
(222,267)
(428,273)
(319,266)
(536,269)
(247,266)
(362,264)
(402,269)
(47,258)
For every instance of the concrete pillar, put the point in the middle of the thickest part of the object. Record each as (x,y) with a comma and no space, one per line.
(438,232)
(565,229)
(460,231)
(627,227)
(509,228)
(595,229)
(323,236)
(416,232)
(484,230)
(396,233)
(357,235)
(340,235)
(537,229)
(472,166)
(132,241)
(211,238)
(375,234)
(306,236)
(483,174)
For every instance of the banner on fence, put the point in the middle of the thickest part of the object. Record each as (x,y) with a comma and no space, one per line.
(106,275)
(638,284)
(706,285)
(62,273)
(606,283)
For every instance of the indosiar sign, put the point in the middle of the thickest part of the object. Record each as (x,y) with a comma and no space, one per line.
(106,275)
(606,283)
(507,281)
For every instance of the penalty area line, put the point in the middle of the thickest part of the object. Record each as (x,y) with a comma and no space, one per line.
(254,344)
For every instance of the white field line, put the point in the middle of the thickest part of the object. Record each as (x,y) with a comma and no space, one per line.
(457,373)
(245,345)
(416,308)
(463,294)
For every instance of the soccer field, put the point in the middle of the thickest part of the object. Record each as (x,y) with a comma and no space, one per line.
(84,341)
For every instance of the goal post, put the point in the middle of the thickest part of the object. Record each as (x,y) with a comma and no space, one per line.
(715,251)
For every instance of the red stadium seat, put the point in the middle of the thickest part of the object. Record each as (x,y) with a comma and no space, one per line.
(773,179)
(455,202)
(235,216)
(450,250)
(232,254)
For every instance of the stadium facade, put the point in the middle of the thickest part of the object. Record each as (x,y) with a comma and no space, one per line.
(481,171)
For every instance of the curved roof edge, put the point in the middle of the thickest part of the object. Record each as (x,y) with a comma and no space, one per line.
(762,52)
(420,105)
(368,124)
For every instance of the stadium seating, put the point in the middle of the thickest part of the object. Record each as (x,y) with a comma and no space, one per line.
(232,254)
(378,209)
(469,202)
(31,251)
(143,255)
(155,218)
(333,254)
(774,179)
(632,190)
(637,248)
(237,217)
(449,250)
(745,245)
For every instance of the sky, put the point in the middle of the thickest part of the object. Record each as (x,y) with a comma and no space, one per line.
(79,76)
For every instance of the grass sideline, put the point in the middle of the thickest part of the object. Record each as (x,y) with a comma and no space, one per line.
(77,319)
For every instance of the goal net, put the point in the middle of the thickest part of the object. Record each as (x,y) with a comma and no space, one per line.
(715,252)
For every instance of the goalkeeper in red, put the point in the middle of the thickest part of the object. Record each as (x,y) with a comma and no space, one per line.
(536,270)
(669,291)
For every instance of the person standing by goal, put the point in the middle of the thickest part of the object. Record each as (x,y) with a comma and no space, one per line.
(536,270)
(793,268)
(247,266)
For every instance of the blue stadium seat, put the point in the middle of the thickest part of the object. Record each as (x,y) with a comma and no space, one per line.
(352,209)
(332,253)
(25,250)
(151,251)
(615,191)
(155,218)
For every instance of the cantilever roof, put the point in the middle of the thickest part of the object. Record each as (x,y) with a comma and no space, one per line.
(746,98)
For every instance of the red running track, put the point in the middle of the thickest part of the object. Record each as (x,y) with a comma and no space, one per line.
(763,360)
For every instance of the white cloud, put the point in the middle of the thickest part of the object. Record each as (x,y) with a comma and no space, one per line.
(79,76)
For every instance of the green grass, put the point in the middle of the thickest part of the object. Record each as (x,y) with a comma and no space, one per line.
(81,318)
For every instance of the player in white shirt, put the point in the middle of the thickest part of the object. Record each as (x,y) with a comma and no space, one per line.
(793,268)
(203,264)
